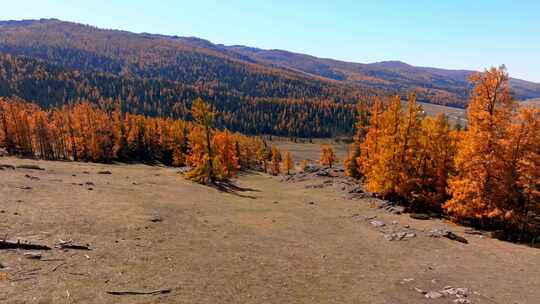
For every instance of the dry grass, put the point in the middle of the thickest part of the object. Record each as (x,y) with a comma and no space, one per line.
(265,242)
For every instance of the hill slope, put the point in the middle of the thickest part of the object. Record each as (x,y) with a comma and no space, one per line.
(53,62)
(252,71)
(434,85)
(269,242)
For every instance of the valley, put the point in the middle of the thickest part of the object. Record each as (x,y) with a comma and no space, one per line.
(269,241)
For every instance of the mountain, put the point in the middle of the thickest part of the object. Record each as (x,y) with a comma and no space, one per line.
(161,75)
(434,85)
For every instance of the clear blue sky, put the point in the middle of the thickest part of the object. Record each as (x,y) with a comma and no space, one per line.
(457,34)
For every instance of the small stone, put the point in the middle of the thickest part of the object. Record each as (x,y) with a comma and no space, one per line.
(420,290)
(420,216)
(462,301)
(32,255)
(156,219)
(377,224)
(389,236)
(433,295)
(458,291)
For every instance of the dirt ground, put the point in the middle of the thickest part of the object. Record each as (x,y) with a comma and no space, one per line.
(268,242)
(310,151)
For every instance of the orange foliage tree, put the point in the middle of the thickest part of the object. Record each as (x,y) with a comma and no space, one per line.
(498,159)
(85,133)
(288,162)
(406,155)
(275,161)
(328,157)
(226,148)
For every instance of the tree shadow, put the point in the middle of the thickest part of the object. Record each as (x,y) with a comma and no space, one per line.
(231,188)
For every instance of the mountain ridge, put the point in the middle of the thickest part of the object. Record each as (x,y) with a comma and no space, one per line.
(196,60)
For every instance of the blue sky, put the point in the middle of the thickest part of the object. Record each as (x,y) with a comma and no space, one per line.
(455,34)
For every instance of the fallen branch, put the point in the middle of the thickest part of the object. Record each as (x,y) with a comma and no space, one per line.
(57,266)
(130,293)
(4,244)
(454,237)
(70,245)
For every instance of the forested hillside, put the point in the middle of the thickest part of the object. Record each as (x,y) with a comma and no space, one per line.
(52,85)
(255,91)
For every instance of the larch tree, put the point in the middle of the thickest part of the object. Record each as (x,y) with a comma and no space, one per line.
(382,167)
(288,162)
(202,159)
(227,148)
(480,190)
(351,162)
(328,157)
(275,161)
(435,161)
(370,144)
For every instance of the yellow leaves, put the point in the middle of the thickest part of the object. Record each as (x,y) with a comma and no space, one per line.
(202,113)
(352,162)
(328,157)
(225,148)
(498,159)
(275,161)
(85,132)
(405,154)
(288,163)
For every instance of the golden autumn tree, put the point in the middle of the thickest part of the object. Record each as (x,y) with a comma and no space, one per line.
(382,167)
(204,163)
(275,161)
(304,165)
(226,148)
(328,157)
(523,171)
(263,155)
(351,162)
(410,156)
(369,147)
(435,161)
(288,162)
(481,188)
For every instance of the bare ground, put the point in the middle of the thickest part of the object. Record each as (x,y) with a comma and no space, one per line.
(269,242)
